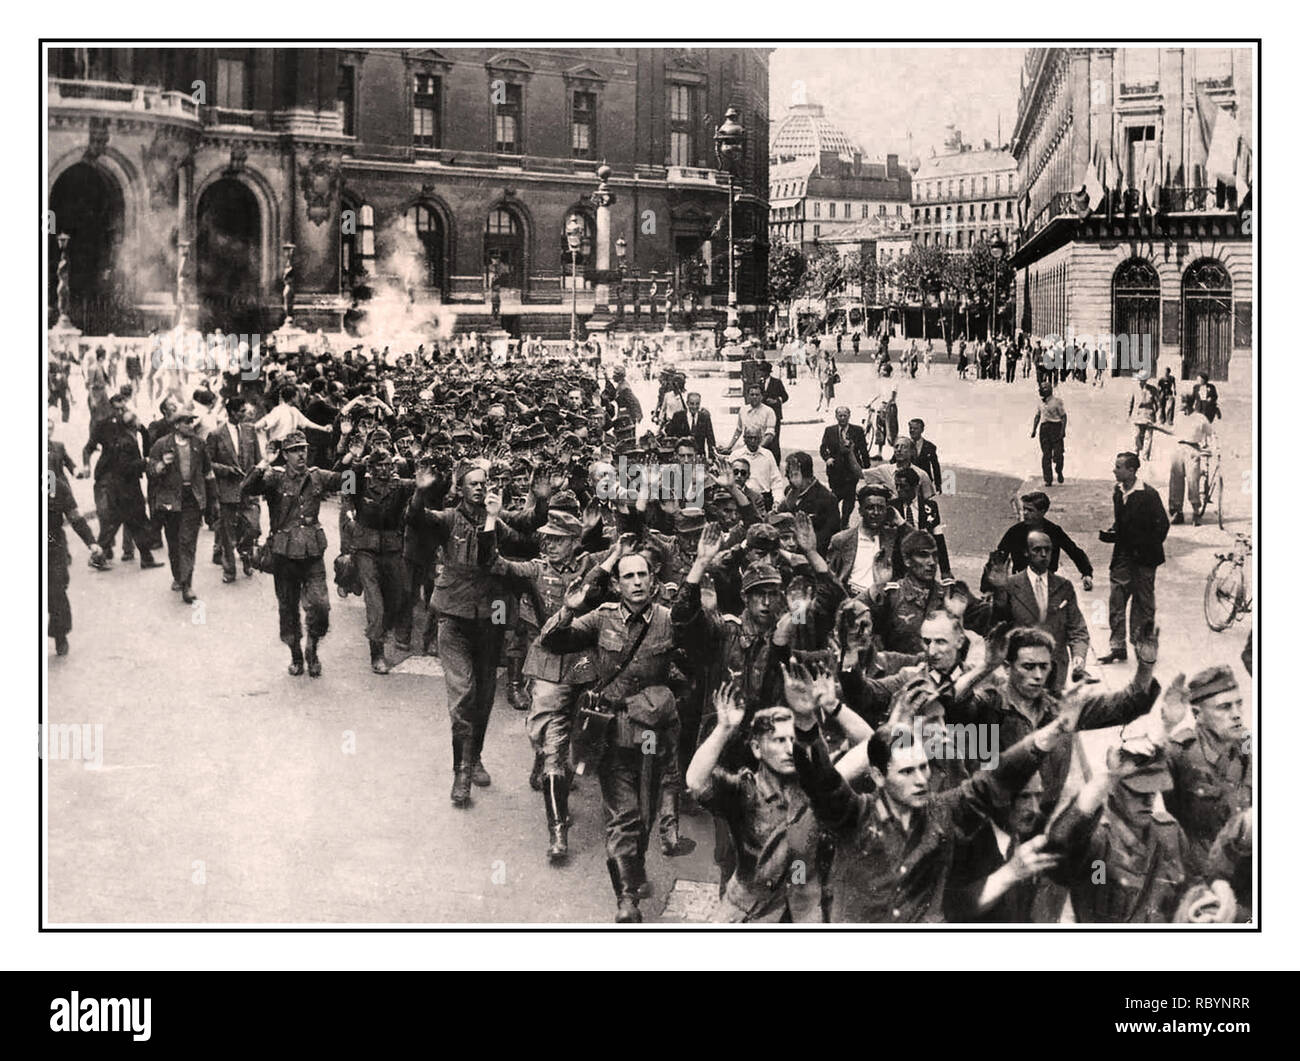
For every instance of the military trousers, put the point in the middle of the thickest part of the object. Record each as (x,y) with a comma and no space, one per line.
(469,650)
(60,608)
(300,584)
(383,588)
(550,723)
(237,529)
(630,796)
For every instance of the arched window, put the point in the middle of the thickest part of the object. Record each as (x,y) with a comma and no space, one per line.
(1207,319)
(1136,313)
(427,226)
(503,243)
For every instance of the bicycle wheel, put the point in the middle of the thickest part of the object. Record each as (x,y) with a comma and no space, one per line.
(1222,594)
(1218,505)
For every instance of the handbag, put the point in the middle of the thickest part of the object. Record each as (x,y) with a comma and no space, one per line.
(264,555)
(596,714)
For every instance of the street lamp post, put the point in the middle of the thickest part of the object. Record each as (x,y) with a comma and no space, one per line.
(620,251)
(573,233)
(729,143)
(997,250)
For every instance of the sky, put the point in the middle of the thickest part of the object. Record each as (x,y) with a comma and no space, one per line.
(879,95)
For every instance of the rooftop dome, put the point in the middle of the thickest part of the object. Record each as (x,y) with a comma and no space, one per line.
(805,132)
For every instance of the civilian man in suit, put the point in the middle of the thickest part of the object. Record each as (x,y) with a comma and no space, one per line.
(1138,534)
(919,513)
(179,475)
(808,495)
(927,457)
(233,452)
(774,397)
(871,552)
(696,423)
(844,449)
(1037,597)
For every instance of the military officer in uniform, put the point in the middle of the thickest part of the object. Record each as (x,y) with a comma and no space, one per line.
(632,639)
(1210,764)
(555,678)
(375,516)
(294,494)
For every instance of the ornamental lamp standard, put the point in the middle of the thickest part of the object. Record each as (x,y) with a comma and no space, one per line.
(729,143)
(998,251)
(620,252)
(574,230)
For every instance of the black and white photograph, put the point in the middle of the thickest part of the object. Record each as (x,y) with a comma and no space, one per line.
(761,484)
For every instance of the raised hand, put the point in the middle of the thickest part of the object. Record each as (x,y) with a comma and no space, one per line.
(1031,858)
(995,647)
(708,594)
(1173,706)
(492,504)
(1146,645)
(710,543)
(731,713)
(590,516)
(798,691)
(804,533)
(825,694)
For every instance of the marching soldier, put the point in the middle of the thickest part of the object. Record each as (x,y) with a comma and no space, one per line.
(555,678)
(375,515)
(294,494)
(632,640)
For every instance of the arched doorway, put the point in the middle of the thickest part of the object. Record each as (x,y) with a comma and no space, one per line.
(428,228)
(1207,319)
(503,244)
(1136,313)
(228,252)
(88,208)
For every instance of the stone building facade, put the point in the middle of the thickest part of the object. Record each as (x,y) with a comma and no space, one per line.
(399,186)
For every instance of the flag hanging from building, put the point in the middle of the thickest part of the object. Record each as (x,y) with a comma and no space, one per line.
(1097,187)
(1220,136)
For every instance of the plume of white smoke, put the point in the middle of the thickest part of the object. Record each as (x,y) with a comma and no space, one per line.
(394,315)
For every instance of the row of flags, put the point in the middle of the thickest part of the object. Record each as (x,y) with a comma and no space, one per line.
(1229,160)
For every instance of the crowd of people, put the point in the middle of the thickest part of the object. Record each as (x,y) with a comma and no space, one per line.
(703,628)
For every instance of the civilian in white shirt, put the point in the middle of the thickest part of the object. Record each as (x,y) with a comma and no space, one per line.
(286,418)
(883,474)
(1187,464)
(754,415)
(764,473)
(867,554)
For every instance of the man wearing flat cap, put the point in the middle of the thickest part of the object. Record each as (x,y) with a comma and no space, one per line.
(1211,762)
(181,484)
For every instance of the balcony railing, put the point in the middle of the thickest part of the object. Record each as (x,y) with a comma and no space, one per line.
(691,175)
(1142,88)
(1125,202)
(112,95)
(1213,83)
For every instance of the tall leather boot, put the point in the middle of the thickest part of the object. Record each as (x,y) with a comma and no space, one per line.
(628,911)
(556,795)
(535,778)
(295,659)
(634,870)
(463,765)
(378,663)
(671,841)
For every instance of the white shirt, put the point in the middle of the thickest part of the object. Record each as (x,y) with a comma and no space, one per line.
(1124,495)
(764,473)
(1038,583)
(762,418)
(283,419)
(863,575)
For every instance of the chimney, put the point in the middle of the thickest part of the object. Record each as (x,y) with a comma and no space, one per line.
(857,163)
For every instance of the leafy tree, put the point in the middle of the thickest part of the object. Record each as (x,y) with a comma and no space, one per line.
(786,267)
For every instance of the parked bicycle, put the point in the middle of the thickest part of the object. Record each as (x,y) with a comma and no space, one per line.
(1227,587)
(1212,488)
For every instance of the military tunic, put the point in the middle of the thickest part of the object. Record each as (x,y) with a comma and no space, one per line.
(1212,782)
(900,610)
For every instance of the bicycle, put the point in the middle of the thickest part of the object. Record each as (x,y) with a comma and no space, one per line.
(1227,587)
(1212,488)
